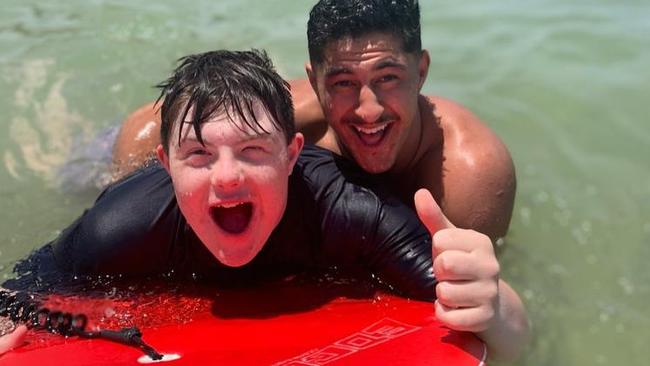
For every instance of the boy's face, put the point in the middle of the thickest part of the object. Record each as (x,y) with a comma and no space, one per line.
(368,88)
(233,190)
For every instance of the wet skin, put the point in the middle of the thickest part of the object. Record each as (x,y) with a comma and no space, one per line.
(368,91)
(233,188)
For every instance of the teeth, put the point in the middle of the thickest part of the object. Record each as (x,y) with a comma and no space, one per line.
(370,131)
(230,205)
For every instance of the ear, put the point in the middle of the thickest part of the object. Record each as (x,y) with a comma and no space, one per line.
(294,149)
(312,76)
(423,67)
(162,157)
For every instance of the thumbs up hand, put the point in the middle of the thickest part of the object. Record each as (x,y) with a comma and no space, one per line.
(466,268)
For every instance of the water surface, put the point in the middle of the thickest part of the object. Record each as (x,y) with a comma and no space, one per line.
(564,84)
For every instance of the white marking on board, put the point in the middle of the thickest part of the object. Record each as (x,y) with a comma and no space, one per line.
(170,357)
(377,333)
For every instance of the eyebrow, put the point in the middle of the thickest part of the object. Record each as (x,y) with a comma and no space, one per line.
(383,64)
(257,136)
(336,71)
(191,137)
(389,63)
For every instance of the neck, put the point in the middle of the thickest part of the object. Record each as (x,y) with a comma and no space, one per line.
(411,150)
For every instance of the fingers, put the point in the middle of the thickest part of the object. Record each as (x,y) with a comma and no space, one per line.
(475,319)
(13,339)
(466,294)
(466,263)
(454,265)
(429,212)
(467,272)
(463,240)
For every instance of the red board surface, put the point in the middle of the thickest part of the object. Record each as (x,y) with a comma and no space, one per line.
(383,330)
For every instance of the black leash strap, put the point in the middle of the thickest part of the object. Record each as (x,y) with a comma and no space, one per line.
(19,307)
(129,336)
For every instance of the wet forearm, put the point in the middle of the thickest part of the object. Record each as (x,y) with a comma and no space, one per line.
(509,335)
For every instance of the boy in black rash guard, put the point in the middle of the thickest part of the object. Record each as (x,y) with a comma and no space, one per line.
(136,228)
(233,185)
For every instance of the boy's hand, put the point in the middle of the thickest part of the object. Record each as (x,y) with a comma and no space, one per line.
(13,338)
(466,268)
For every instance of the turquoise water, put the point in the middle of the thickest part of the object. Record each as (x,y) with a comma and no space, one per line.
(564,84)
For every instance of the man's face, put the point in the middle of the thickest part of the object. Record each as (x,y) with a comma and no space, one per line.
(233,190)
(368,88)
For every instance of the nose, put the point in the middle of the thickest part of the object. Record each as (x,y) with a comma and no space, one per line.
(226,174)
(370,108)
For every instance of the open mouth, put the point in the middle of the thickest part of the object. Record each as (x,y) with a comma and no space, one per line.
(372,136)
(232,218)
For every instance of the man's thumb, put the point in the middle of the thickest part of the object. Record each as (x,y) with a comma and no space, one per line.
(429,212)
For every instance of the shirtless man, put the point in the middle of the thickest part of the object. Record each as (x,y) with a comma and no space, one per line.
(363,101)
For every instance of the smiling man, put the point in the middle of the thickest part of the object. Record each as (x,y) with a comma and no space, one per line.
(366,71)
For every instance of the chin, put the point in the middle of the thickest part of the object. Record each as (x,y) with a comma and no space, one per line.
(237,258)
(235,262)
(373,167)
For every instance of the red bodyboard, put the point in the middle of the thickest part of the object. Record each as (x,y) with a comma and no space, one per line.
(382,330)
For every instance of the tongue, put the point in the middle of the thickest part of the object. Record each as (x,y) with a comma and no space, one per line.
(371,139)
(233,220)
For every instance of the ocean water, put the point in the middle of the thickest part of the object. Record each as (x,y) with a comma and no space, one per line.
(564,84)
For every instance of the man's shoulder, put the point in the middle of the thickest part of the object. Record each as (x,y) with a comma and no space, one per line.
(475,173)
(465,137)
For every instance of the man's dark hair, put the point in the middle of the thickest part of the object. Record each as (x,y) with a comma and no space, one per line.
(225,82)
(333,20)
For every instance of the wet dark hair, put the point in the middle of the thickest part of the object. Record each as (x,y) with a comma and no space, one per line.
(225,82)
(333,20)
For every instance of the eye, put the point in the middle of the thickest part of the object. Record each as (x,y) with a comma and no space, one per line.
(255,151)
(344,84)
(253,148)
(387,78)
(197,152)
(197,157)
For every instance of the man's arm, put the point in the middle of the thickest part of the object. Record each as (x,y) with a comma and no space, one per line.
(137,140)
(308,113)
(307,109)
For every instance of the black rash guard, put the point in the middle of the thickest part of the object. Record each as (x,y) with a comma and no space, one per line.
(335,217)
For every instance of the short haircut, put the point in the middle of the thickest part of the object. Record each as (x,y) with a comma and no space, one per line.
(225,82)
(333,20)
